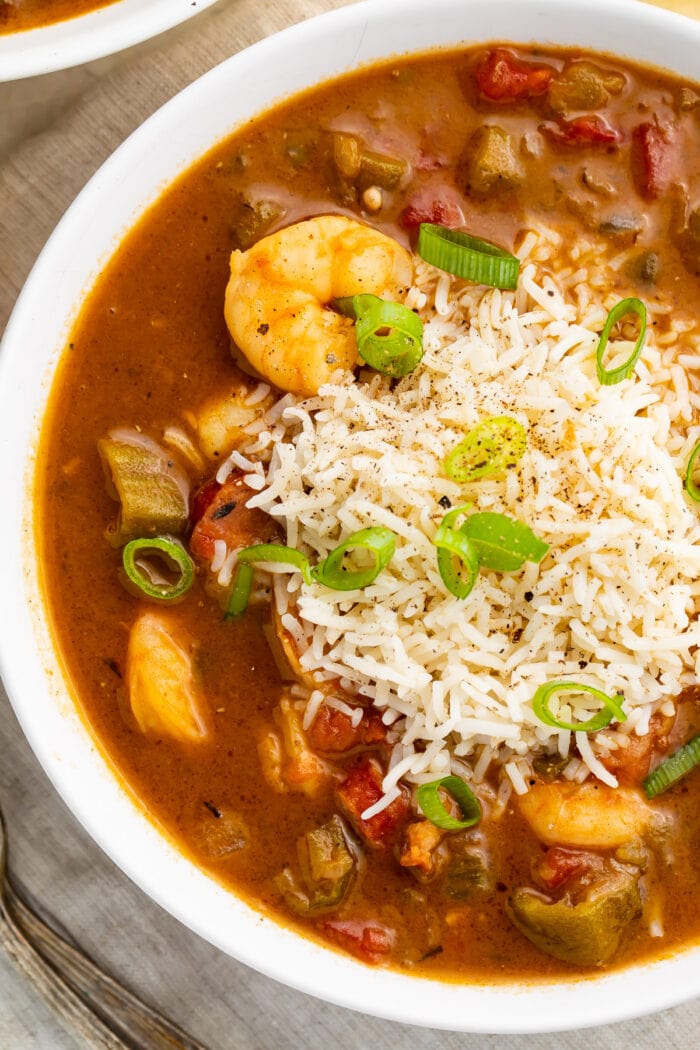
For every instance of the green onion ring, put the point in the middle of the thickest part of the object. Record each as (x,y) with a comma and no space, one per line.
(503,543)
(432,807)
(278,553)
(451,544)
(468,257)
(612,707)
(261,552)
(170,551)
(389,335)
(673,768)
(624,371)
(452,515)
(492,446)
(379,541)
(690,487)
(240,592)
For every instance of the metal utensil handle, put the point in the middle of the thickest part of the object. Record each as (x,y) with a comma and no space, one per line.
(68,1005)
(127,1015)
(106,1015)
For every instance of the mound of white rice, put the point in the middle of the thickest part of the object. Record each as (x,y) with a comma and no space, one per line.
(612,605)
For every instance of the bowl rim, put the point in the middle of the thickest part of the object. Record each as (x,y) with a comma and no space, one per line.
(316,50)
(96,34)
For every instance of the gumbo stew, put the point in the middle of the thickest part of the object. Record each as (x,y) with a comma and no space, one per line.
(369,518)
(20,15)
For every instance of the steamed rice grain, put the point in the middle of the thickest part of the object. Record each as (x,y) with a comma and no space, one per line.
(612,605)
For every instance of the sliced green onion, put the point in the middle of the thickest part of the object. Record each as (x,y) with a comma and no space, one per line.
(453,544)
(486,539)
(503,544)
(279,554)
(673,768)
(690,486)
(468,257)
(261,552)
(624,371)
(494,445)
(451,517)
(240,592)
(612,707)
(389,335)
(331,572)
(430,803)
(167,550)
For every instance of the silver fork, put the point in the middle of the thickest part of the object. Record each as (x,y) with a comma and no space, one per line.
(101,1012)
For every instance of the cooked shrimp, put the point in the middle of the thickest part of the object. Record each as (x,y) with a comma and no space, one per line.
(287,762)
(420,844)
(164,696)
(588,814)
(221,423)
(279,291)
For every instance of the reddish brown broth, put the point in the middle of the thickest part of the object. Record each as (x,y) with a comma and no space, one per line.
(20,15)
(151,343)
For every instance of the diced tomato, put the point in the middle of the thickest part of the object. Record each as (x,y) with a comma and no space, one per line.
(631,764)
(333,731)
(504,78)
(651,155)
(436,204)
(370,941)
(202,498)
(582,131)
(361,789)
(227,518)
(560,864)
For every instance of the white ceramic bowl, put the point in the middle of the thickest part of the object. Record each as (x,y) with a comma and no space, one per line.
(129,181)
(94,35)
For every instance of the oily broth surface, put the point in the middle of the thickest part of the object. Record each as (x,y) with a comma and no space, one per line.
(150,344)
(20,15)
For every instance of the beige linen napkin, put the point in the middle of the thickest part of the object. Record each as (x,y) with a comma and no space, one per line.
(224,1004)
